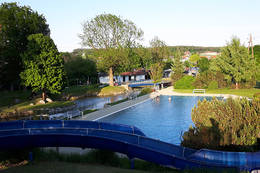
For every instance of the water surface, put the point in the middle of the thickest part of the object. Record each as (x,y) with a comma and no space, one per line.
(161,119)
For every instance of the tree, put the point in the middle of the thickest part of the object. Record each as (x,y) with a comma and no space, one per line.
(203,65)
(159,50)
(109,35)
(194,58)
(177,66)
(156,72)
(80,69)
(43,65)
(17,23)
(235,63)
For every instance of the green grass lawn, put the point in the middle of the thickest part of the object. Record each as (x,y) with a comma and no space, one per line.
(240,92)
(66,167)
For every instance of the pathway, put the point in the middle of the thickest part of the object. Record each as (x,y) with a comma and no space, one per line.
(169,91)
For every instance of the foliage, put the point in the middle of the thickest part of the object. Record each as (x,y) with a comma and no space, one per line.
(194,49)
(203,80)
(187,64)
(203,65)
(235,63)
(213,85)
(89,111)
(257,59)
(111,37)
(159,50)
(17,23)
(79,69)
(184,83)
(177,66)
(43,65)
(221,123)
(117,102)
(156,72)
(194,58)
(145,91)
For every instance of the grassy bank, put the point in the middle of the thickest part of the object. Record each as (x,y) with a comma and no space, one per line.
(240,92)
(111,90)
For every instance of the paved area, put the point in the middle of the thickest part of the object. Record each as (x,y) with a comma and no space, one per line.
(169,91)
(94,116)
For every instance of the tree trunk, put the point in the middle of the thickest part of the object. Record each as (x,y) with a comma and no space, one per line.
(111,77)
(44,95)
(236,85)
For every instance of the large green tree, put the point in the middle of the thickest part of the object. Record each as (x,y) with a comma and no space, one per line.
(109,35)
(177,66)
(17,23)
(43,65)
(194,58)
(235,63)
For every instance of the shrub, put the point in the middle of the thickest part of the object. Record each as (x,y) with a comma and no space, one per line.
(213,85)
(145,91)
(220,124)
(185,83)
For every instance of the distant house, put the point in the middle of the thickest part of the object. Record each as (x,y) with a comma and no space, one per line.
(186,56)
(209,55)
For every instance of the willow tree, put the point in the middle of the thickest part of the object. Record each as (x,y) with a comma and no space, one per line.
(109,35)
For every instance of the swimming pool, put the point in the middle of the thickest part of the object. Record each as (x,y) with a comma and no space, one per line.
(160,119)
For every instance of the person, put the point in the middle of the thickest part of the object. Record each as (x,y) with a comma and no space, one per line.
(169,99)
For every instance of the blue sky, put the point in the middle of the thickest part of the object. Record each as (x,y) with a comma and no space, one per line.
(177,22)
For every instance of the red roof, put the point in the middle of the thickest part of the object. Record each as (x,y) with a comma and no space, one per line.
(137,72)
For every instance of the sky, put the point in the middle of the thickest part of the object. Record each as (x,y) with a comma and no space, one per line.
(177,22)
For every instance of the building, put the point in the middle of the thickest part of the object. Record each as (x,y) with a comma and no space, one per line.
(209,55)
(134,76)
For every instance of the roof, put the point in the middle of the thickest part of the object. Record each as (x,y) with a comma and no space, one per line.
(136,72)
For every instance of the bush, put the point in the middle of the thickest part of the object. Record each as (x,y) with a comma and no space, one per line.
(145,91)
(213,85)
(232,124)
(185,83)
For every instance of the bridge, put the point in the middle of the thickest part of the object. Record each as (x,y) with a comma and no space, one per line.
(124,139)
(149,83)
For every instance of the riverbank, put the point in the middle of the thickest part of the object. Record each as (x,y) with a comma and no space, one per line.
(22,104)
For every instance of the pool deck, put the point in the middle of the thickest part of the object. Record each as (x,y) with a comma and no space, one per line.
(169,92)
(94,116)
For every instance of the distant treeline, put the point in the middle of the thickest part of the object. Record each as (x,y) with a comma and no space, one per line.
(192,49)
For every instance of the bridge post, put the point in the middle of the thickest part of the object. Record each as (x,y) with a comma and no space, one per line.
(132,163)
(30,156)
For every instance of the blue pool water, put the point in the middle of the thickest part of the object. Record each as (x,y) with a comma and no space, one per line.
(164,120)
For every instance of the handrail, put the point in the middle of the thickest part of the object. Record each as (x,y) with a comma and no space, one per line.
(99,135)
